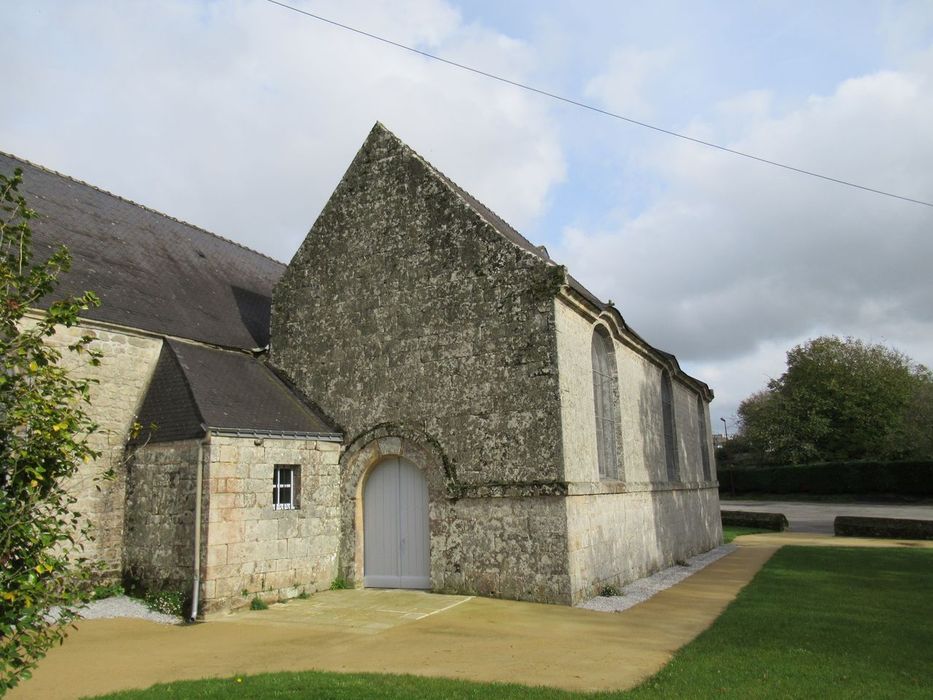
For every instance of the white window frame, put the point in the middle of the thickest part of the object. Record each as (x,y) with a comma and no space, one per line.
(285,490)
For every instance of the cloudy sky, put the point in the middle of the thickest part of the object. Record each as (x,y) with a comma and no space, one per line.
(242,116)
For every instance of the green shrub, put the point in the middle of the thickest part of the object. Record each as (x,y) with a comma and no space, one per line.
(258,603)
(609,591)
(107,591)
(339,584)
(893,528)
(761,521)
(46,434)
(167,602)
(857,478)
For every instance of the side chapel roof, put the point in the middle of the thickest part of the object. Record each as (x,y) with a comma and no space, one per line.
(195,388)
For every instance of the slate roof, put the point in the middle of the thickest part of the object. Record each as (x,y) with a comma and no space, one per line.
(151,271)
(196,387)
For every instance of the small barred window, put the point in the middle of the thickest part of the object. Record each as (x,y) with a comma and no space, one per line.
(285,487)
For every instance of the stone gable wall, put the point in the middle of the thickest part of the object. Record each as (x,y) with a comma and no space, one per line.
(251,547)
(404,306)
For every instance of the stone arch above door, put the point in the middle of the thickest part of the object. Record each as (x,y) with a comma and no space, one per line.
(363,454)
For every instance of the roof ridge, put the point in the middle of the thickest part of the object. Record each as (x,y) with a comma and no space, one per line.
(50,171)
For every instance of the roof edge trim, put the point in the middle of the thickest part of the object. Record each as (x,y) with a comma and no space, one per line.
(628,337)
(256,433)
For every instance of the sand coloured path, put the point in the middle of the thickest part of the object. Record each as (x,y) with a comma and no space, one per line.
(476,639)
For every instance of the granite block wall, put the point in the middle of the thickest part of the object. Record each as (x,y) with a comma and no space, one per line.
(504,547)
(253,549)
(615,538)
(161,481)
(123,376)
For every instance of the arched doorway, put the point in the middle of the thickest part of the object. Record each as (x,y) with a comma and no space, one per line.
(396,535)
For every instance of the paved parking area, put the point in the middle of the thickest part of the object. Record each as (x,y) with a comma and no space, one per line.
(818,517)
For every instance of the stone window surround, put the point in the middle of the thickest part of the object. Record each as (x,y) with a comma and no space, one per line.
(669,425)
(606,399)
(703,437)
(620,332)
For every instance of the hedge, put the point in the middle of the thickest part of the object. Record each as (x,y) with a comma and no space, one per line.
(892,528)
(761,521)
(891,478)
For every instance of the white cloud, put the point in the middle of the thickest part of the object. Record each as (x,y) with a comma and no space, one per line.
(737,256)
(241,117)
(625,85)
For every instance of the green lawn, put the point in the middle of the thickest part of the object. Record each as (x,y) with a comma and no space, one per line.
(730,532)
(815,622)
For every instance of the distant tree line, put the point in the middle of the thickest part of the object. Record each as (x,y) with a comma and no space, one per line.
(840,399)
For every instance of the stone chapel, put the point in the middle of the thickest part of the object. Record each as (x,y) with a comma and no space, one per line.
(421,398)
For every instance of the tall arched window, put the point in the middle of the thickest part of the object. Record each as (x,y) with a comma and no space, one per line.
(670,436)
(702,434)
(606,397)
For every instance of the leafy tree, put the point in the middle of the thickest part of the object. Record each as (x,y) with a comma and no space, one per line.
(44,431)
(842,399)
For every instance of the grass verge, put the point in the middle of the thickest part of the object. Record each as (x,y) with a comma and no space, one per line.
(815,622)
(828,623)
(730,532)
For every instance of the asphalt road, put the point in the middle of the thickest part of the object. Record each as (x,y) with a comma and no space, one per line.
(818,517)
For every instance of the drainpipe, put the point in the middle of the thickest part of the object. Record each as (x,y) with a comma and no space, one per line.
(199,492)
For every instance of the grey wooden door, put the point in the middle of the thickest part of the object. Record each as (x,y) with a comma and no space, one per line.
(396,537)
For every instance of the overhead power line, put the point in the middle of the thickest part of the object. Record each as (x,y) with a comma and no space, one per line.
(593,108)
